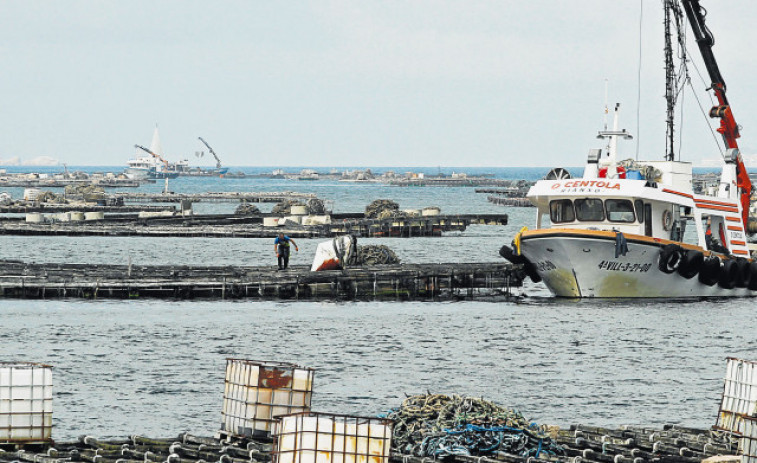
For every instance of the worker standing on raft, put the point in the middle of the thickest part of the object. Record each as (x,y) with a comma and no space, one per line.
(281,247)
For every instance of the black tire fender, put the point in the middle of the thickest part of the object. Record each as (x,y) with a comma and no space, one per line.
(753,277)
(729,273)
(744,272)
(709,273)
(670,258)
(529,268)
(690,264)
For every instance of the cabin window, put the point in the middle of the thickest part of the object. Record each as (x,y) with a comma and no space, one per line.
(639,204)
(590,210)
(561,210)
(619,210)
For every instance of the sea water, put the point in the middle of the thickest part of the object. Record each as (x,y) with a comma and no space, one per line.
(156,367)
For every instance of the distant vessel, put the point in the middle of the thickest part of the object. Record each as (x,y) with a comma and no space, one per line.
(219,171)
(153,165)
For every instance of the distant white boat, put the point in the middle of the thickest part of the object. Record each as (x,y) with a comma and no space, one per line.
(153,164)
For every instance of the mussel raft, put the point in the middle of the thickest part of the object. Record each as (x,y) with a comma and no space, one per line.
(424,428)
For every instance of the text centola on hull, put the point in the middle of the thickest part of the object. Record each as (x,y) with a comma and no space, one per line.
(636,228)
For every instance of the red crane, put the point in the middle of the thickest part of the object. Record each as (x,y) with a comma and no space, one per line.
(728,127)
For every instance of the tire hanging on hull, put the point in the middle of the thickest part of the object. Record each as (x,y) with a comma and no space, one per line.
(510,255)
(709,273)
(670,258)
(690,264)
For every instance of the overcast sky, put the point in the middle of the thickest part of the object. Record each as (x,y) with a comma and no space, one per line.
(353,83)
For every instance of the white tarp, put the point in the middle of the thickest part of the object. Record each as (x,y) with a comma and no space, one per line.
(335,254)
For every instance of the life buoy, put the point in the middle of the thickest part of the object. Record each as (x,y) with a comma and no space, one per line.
(690,264)
(667,219)
(753,277)
(729,273)
(670,258)
(709,273)
(744,272)
(621,172)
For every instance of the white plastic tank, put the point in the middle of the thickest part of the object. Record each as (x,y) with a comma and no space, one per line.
(26,402)
(64,216)
(327,438)
(430,211)
(316,220)
(748,440)
(258,391)
(34,217)
(412,212)
(293,218)
(270,221)
(77,216)
(31,194)
(96,215)
(299,210)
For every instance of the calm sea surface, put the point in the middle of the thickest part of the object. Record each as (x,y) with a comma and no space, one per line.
(156,367)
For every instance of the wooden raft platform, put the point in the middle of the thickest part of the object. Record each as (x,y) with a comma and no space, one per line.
(229,226)
(398,282)
(214,197)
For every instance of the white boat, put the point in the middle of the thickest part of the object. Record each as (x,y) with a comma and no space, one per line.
(149,163)
(636,228)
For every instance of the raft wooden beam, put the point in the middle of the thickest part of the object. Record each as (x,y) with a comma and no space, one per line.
(398,282)
(229,226)
(214,197)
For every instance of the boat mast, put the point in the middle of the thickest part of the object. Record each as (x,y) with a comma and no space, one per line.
(728,127)
(670,84)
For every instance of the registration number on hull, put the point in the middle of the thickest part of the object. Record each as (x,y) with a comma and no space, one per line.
(614,266)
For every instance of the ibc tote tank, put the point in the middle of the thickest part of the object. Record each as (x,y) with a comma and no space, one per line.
(256,392)
(26,402)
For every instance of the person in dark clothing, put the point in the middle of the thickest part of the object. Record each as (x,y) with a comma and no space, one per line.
(281,247)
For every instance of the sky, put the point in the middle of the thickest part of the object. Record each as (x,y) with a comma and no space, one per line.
(355,83)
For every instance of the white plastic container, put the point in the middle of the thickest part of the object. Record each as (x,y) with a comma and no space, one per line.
(77,216)
(316,220)
(63,216)
(326,438)
(256,392)
(34,217)
(748,440)
(26,402)
(299,210)
(430,211)
(270,221)
(97,215)
(31,194)
(739,395)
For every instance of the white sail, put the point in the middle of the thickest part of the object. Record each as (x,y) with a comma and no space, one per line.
(155,146)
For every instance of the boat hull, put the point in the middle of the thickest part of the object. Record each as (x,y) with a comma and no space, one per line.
(583,263)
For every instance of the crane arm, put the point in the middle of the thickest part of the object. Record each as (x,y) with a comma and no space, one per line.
(729,129)
(157,156)
(218,161)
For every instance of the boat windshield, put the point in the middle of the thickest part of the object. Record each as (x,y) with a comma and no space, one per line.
(589,210)
(561,210)
(619,210)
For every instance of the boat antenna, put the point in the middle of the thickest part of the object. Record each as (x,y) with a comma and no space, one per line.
(607,109)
